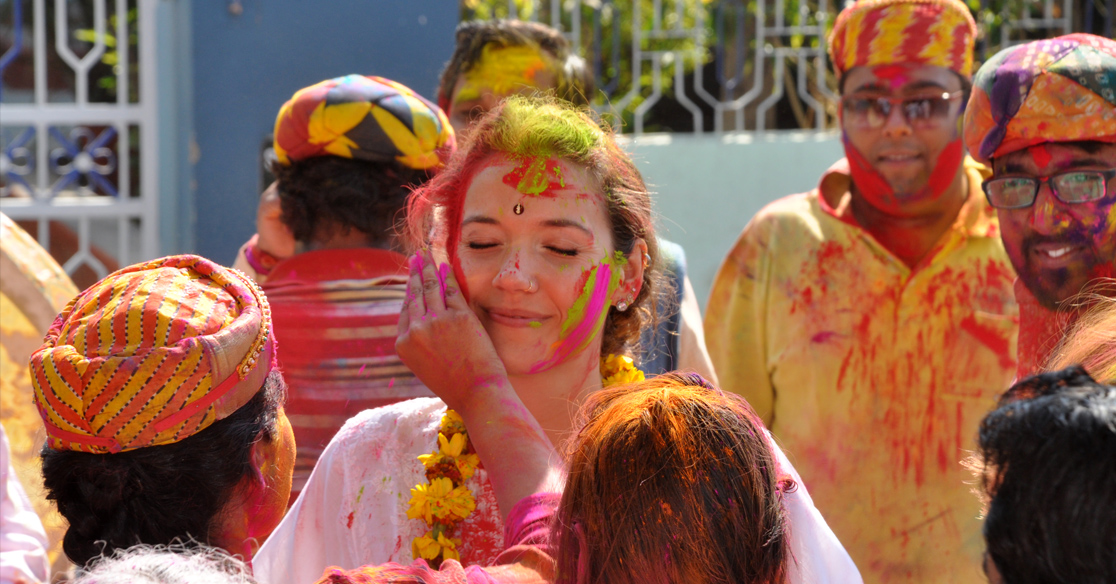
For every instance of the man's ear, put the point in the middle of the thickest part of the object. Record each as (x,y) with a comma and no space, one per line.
(632,280)
(263,455)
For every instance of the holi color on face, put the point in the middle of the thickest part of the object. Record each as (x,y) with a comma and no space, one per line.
(537,176)
(895,76)
(502,71)
(1059,248)
(587,315)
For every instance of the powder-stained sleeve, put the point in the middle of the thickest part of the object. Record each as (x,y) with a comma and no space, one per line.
(736,322)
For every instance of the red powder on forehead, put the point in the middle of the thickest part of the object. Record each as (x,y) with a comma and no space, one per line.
(894,75)
(536,175)
(1040,155)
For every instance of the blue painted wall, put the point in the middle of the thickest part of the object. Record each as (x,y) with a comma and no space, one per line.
(245,66)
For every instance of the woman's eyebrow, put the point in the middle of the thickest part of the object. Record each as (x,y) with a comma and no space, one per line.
(485,219)
(566,223)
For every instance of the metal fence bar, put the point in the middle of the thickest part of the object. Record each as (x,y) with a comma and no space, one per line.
(734,57)
(79,169)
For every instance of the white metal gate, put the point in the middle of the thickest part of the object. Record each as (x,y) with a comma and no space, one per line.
(78,129)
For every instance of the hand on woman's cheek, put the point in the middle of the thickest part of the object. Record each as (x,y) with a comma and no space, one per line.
(537,256)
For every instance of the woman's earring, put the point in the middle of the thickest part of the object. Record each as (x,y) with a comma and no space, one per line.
(621,306)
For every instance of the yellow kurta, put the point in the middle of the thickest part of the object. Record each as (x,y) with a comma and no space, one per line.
(873,376)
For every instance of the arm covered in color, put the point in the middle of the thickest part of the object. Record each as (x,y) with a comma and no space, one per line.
(736,320)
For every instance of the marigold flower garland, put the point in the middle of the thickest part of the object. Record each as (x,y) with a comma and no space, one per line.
(445,501)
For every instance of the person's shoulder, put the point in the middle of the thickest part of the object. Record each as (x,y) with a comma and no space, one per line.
(788,215)
(404,421)
(791,208)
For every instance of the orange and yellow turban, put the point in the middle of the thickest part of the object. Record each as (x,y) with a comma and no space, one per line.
(890,32)
(152,354)
(1054,90)
(366,118)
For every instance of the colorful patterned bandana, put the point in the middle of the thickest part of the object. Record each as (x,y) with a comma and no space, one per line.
(152,354)
(1054,90)
(886,32)
(366,118)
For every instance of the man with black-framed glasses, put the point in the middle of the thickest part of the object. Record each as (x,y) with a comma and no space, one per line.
(871,321)
(1043,115)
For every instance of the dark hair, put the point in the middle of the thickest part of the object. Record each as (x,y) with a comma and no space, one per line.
(158,494)
(1048,463)
(575,81)
(671,481)
(329,192)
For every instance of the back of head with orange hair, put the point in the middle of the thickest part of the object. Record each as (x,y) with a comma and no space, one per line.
(1092,340)
(671,481)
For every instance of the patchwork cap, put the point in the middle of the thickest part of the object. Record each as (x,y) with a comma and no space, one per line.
(152,354)
(890,32)
(364,118)
(1054,90)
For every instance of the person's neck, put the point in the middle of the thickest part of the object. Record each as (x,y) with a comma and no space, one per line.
(554,396)
(911,238)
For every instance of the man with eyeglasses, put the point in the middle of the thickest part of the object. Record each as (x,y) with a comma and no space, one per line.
(1043,114)
(871,321)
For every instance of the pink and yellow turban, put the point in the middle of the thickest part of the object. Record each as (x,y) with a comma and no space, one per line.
(152,354)
(1054,90)
(890,32)
(366,118)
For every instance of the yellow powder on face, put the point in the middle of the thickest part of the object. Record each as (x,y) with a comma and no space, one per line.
(502,71)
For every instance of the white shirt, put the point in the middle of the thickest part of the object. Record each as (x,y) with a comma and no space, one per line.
(23,542)
(353,509)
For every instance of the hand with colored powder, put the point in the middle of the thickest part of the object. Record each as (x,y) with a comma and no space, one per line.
(445,345)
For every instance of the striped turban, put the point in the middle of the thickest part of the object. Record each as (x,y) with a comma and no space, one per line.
(152,354)
(890,32)
(366,118)
(1054,90)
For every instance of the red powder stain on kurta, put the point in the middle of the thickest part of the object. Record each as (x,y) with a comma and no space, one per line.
(349,524)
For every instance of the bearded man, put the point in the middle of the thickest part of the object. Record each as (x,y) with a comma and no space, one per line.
(871,321)
(1043,114)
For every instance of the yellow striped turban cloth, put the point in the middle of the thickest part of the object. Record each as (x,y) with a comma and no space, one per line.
(890,32)
(152,354)
(366,118)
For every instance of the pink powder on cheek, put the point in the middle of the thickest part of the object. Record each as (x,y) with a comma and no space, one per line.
(587,314)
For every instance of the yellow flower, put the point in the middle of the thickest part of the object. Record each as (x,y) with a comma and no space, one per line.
(618,370)
(452,447)
(429,548)
(452,423)
(425,547)
(431,460)
(441,500)
(449,548)
(467,465)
